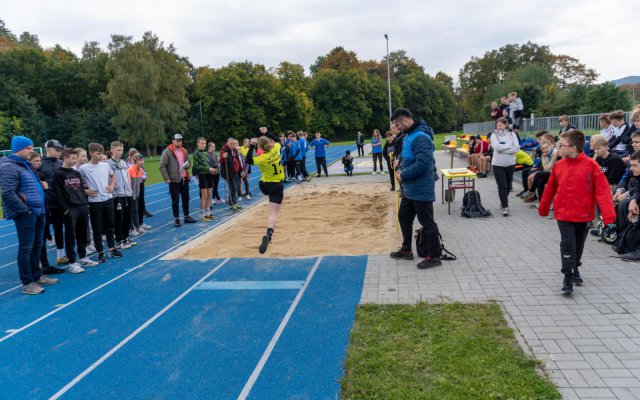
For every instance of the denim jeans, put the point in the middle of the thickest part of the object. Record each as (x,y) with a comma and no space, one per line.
(30,231)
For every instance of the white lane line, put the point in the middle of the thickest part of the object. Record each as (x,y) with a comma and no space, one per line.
(133,334)
(10,246)
(10,290)
(42,318)
(274,340)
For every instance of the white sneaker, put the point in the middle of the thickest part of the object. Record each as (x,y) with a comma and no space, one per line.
(248,197)
(87,262)
(75,268)
(145,227)
(91,248)
(239,198)
(373,173)
(134,233)
(123,246)
(505,212)
(141,230)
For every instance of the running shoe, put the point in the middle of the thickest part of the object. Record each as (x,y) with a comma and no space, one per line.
(265,243)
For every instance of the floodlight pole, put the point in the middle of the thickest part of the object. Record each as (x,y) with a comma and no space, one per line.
(386,36)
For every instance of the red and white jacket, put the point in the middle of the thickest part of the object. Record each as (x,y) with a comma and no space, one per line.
(574,187)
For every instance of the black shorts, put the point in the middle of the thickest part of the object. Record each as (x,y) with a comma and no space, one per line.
(275,191)
(205,181)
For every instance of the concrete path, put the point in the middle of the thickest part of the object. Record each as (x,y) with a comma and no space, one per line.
(589,342)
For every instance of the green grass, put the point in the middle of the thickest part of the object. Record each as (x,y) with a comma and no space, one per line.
(447,351)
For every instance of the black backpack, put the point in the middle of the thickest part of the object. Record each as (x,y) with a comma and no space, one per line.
(472,206)
(629,239)
(422,246)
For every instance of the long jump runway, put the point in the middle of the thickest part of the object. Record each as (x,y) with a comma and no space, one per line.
(220,329)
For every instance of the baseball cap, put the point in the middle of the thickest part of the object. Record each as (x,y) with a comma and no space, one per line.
(53,143)
(177,136)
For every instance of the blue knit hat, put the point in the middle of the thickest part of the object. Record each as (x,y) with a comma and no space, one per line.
(19,143)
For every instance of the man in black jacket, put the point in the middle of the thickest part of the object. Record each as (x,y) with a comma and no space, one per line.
(50,164)
(72,203)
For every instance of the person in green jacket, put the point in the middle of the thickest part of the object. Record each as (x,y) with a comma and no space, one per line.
(204,173)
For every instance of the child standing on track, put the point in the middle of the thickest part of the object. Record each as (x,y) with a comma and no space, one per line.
(272,176)
(319,144)
(202,170)
(576,184)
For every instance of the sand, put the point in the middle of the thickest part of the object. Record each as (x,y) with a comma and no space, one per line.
(315,219)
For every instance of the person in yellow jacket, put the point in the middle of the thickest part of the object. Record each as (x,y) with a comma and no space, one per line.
(524,162)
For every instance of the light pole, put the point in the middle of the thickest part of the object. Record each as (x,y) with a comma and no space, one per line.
(386,36)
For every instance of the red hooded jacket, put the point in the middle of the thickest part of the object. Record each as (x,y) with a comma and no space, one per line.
(577,184)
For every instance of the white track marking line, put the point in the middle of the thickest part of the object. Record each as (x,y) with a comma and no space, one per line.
(133,334)
(274,340)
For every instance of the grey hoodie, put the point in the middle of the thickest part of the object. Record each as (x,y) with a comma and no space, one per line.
(123,181)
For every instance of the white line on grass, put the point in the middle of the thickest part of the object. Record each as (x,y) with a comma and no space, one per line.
(133,334)
(274,340)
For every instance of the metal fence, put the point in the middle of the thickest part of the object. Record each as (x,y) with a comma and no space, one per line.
(584,122)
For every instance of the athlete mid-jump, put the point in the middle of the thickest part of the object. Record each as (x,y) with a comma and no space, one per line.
(271,182)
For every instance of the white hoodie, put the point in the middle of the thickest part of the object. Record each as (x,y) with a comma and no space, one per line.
(505,145)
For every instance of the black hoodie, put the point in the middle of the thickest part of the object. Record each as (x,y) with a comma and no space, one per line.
(69,189)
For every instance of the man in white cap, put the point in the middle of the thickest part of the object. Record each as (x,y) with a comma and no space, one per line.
(174,166)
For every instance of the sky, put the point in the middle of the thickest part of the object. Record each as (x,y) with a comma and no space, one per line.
(441,35)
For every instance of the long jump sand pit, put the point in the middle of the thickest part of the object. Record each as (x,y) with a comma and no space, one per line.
(315,219)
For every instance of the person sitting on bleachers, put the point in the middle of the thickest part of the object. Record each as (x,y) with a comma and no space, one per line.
(612,165)
(482,154)
(540,178)
(524,163)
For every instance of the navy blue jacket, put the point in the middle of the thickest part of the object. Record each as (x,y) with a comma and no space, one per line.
(417,171)
(21,190)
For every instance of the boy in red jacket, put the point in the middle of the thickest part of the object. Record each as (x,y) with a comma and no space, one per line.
(576,184)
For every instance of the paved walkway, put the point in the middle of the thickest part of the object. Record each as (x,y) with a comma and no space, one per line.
(589,342)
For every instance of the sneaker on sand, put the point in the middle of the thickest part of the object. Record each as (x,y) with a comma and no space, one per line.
(75,268)
(429,262)
(87,262)
(115,253)
(32,288)
(402,255)
(265,243)
(62,260)
(45,280)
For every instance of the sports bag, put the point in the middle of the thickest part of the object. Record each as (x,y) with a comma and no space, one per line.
(472,206)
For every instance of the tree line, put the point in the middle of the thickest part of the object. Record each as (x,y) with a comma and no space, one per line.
(141,92)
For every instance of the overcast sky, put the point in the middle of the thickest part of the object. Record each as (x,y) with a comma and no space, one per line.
(440,35)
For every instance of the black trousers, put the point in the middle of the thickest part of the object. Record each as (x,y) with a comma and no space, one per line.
(540,180)
(321,162)
(141,205)
(216,182)
(179,190)
(391,175)
(360,150)
(424,210)
(303,167)
(504,179)
(102,219)
(122,207)
(622,213)
(377,158)
(75,232)
(55,217)
(572,238)
(525,178)
(291,169)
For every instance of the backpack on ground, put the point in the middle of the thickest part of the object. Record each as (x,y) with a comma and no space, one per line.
(629,239)
(422,247)
(472,206)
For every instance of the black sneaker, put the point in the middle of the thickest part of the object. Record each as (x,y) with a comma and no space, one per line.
(177,223)
(594,232)
(265,243)
(402,255)
(101,257)
(576,278)
(115,253)
(52,271)
(429,262)
(189,220)
(567,285)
